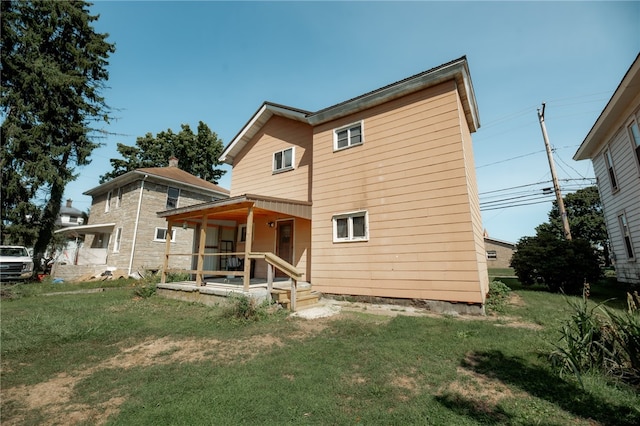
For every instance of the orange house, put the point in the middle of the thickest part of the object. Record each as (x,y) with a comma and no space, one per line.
(375,196)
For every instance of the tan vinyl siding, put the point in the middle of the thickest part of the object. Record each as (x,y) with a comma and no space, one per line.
(409,175)
(253,167)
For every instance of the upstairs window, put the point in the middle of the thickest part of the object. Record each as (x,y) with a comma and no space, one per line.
(172,198)
(634,134)
(626,236)
(350,227)
(608,161)
(119,199)
(283,160)
(107,205)
(347,137)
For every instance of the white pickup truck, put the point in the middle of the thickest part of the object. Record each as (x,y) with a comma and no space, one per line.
(15,264)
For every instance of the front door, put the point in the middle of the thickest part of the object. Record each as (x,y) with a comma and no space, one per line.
(284,242)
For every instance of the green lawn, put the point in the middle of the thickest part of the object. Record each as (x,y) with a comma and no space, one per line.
(112,358)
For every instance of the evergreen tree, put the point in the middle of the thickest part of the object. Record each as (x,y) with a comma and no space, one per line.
(53,72)
(198,153)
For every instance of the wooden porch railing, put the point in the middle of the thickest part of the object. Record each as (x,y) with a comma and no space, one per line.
(272,260)
(291,271)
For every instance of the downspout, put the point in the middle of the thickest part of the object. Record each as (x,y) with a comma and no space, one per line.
(135,227)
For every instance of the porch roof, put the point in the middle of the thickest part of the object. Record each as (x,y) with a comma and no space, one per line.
(97,228)
(227,206)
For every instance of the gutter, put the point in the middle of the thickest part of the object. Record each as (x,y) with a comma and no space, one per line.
(135,228)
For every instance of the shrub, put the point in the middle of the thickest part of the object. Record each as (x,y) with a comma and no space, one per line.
(244,308)
(497,297)
(562,265)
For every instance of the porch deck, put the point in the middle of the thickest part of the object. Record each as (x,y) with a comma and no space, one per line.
(217,290)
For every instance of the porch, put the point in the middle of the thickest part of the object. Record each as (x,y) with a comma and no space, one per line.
(242,245)
(218,291)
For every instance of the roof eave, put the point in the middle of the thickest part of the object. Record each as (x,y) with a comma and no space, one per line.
(139,175)
(261,116)
(456,70)
(612,112)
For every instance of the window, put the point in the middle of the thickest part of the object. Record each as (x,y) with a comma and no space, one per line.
(626,236)
(350,227)
(283,160)
(492,254)
(608,160)
(116,244)
(634,134)
(107,205)
(119,198)
(242,233)
(347,137)
(161,235)
(172,197)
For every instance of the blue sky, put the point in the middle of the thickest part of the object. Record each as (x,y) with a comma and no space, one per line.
(183,62)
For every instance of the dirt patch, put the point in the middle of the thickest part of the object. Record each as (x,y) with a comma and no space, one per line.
(54,398)
(478,390)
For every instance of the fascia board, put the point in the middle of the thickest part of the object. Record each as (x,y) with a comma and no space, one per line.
(625,95)
(264,113)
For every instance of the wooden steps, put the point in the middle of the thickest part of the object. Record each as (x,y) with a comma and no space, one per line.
(305,297)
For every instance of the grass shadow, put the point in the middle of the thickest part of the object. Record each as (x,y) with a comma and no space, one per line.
(541,383)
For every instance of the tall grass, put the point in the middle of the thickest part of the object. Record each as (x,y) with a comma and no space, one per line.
(597,338)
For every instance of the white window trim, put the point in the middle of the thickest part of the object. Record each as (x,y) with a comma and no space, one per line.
(348,128)
(173,235)
(117,240)
(350,215)
(623,216)
(287,168)
(609,163)
(107,205)
(492,255)
(177,198)
(119,198)
(634,147)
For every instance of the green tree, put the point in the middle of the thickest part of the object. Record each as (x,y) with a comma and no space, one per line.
(54,67)
(558,263)
(198,153)
(586,219)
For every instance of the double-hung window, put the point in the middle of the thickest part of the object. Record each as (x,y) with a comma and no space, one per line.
(626,236)
(116,244)
(161,235)
(283,160)
(107,205)
(634,134)
(172,197)
(608,161)
(350,227)
(348,136)
(119,199)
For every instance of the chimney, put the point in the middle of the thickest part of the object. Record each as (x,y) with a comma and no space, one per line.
(173,162)
(69,201)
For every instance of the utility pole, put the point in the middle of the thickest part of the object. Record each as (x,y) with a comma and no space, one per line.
(556,186)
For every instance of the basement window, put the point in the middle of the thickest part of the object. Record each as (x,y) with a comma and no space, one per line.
(161,235)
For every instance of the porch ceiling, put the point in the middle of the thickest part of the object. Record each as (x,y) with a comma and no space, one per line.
(235,208)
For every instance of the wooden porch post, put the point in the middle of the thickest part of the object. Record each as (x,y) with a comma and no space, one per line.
(167,250)
(247,250)
(203,241)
